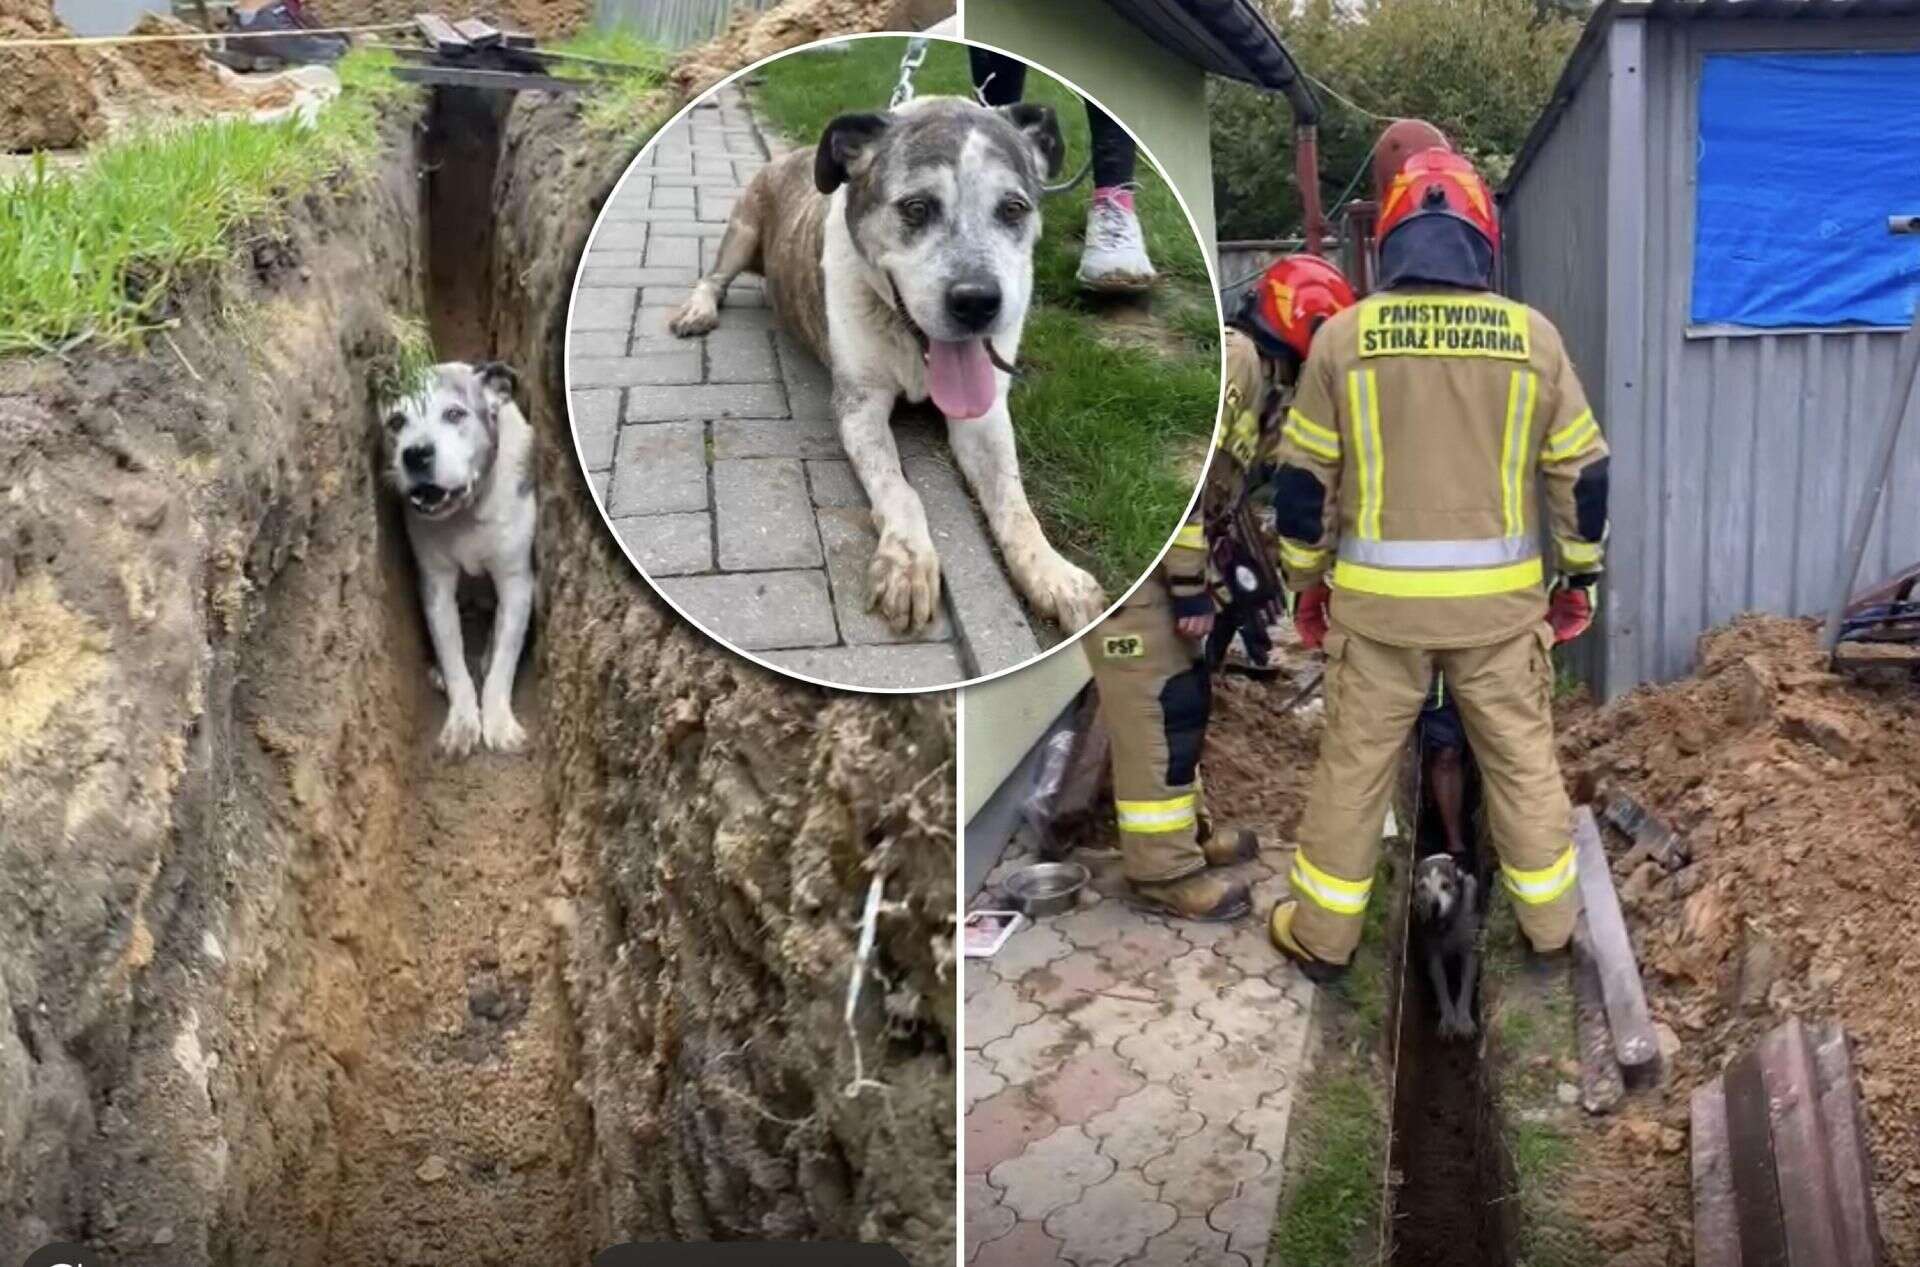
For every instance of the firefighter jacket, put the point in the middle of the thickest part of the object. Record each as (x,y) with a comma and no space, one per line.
(1411,463)
(1245,438)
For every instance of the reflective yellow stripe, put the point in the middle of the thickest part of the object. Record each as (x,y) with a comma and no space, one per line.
(1192,536)
(1364,405)
(1573,439)
(1311,430)
(1458,583)
(1536,888)
(1299,556)
(1579,554)
(1320,449)
(1522,391)
(1147,818)
(1342,897)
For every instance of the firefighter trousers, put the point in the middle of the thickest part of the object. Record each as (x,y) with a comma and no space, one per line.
(1373,694)
(1154,699)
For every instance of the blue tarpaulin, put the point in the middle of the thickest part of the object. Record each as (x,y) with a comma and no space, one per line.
(1803,156)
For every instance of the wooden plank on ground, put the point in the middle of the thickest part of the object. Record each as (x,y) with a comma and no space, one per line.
(1716,1224)
(1601,1087)
(1644,827)
(1808,1203)
(440,33)
(1756,1188)
(501,80)
(1841,1117)
(478,33)
(1633,1038)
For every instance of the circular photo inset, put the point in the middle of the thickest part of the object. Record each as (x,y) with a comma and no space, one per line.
(893,362)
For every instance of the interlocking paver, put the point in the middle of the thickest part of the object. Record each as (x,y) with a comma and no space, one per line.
(988,1217)
(980,1082)
(756,395)
(1028,1245)
(1144,1125)
(1034,1050)
(1249,1010)
(1190,1241)
(1050,1173)
(1092,1082)
(1002,1126)
(1142,949)
(1168,1049)
(1075,978)
(1112,1222)
(996,1011)
(1206,1168)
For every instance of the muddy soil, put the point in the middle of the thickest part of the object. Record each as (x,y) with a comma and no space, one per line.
(46,94)
(1800,793)
(751,36)
(283,986)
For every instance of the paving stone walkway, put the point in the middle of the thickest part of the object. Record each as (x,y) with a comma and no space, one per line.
(718,462)
(1128,1083)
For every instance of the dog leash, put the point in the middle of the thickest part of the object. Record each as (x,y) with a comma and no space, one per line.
(903,92)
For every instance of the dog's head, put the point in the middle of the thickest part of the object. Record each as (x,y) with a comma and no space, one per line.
(1436,888)
(943,196)
(438,444)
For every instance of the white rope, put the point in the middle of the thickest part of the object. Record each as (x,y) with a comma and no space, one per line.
(196,37)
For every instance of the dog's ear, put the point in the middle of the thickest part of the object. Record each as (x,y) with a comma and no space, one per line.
(1041,127)
(498,381)
(841,145)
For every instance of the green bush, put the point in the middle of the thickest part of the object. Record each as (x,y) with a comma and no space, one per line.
(1480,70)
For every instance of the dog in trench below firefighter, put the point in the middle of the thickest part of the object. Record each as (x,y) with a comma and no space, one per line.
(1446,912)
(460,455)
(900,251)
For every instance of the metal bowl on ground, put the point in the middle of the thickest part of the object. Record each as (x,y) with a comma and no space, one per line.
(1047,888)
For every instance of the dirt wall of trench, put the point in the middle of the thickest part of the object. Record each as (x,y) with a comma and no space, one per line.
(202,703)
(718,827)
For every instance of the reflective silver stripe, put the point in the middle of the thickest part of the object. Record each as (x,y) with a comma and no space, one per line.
(1486,552)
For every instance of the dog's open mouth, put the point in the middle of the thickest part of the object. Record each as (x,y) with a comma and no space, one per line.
(432,500)
(960,376)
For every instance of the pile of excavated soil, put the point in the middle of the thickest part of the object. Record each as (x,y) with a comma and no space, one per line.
(1259,760)
(1799,791)
(548,19)
(47,100)
(178,74)
(751,36)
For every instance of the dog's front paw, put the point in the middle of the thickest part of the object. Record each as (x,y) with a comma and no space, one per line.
(698,315)
(462,732)
(1068,596)
(1457,1027)
(904,581)
(500,731)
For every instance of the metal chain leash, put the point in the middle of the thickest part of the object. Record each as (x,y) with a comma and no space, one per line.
(916,55)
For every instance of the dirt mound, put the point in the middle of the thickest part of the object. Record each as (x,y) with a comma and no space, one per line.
(548,19)
(179,73)
(46,94)
(1799,792)
(751,36)
(1259,760)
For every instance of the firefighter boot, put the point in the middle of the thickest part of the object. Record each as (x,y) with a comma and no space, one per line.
(1203,896)
(1280,929)
(1228,849)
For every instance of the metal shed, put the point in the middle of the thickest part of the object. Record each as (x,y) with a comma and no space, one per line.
(1739,454)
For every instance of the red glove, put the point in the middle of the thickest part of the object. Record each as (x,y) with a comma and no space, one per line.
(1571,606)
(1310,616)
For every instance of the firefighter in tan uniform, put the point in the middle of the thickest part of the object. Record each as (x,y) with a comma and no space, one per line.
(1425,423)
(1148,658)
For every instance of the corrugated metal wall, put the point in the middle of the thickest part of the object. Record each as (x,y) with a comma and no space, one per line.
(1240,263)
(1738,458)
(673,23)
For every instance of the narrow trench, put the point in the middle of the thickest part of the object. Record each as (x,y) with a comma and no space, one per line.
(1448,1153)
(460,1137)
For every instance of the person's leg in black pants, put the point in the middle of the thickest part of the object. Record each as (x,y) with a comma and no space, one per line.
(1000,80)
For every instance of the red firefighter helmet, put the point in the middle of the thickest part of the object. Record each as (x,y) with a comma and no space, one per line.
(1281,310)
(1439,182)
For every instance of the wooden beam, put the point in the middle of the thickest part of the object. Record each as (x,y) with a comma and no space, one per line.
(1846,1132)
(1807,1199)
(1716,1225)
(477,33)
(1644,827)
(1612,950)
(440,33)
(502,80)
(1601,1087)
(1756,1188)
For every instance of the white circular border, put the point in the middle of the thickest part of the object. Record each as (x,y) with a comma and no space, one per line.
(1213,278)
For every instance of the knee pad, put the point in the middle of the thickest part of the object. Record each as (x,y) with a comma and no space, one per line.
(1590,502)
(1299,503)
(1185,702)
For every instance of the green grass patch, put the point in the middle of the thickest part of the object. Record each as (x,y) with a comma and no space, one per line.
(1334,1201)
(93,252)
(1110,415)
(629,101)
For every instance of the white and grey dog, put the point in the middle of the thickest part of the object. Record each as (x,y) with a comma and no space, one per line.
(1446,908)
(900,250)
(461,455)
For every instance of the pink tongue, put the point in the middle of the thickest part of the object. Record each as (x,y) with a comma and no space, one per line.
(960,377)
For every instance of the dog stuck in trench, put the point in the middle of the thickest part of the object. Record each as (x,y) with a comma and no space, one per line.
(900,252)
(1446,912)
(460,455)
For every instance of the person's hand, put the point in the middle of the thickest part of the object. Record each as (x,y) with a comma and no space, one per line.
(1310,616)
(1195,627)
(1571,605)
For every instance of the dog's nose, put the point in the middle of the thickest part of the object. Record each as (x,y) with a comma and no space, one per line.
(973,304)
(417,458)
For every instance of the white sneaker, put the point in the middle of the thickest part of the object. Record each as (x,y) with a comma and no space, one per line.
(1114,258)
